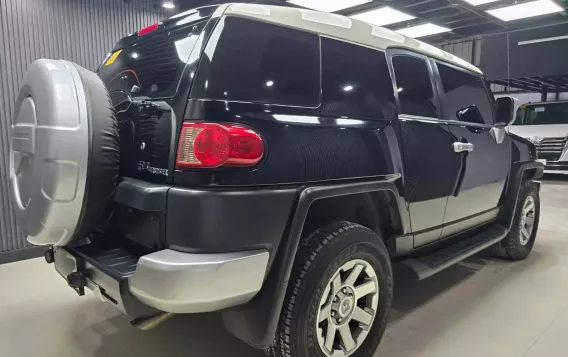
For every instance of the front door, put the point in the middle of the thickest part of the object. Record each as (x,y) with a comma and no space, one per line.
(485,162)
(426,145)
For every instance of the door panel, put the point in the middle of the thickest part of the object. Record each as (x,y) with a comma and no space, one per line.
(481,175)
(426,145)
(428,162)
(484,175)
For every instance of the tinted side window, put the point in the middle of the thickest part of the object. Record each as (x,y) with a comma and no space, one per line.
(414,86)
(355,82)
(253,61)
(464,90)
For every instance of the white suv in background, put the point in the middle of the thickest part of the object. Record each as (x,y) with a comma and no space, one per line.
(546,125)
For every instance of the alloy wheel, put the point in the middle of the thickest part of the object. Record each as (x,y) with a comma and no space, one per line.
(347,309)
(527,220)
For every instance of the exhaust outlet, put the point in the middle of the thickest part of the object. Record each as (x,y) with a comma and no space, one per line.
(148,323)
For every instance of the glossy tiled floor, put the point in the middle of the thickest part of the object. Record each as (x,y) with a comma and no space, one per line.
(483,307)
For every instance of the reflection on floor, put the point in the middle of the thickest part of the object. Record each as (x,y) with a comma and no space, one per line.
(483,307)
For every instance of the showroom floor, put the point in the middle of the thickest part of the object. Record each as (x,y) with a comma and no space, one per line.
(483,307)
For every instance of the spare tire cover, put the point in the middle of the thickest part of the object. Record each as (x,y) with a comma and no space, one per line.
(64,152)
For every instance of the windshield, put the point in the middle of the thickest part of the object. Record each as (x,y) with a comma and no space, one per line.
(545,114)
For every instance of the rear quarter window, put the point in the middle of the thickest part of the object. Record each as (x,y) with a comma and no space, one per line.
(252,61)
(356,82)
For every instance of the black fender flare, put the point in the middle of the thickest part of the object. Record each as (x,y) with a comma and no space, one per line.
(256,322)
(527,170)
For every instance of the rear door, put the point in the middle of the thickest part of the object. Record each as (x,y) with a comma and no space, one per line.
(484,162)
(426,142)
(143,76)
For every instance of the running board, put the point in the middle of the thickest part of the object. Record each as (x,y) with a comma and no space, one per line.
(428,265)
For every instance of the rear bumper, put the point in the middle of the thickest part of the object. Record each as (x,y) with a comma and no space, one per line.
(168,280)
(189,283)
(204,220)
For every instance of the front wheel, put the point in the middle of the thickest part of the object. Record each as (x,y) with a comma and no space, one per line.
(339,295)
(518,244)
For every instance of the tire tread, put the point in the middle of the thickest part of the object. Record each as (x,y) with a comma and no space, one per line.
(308,250)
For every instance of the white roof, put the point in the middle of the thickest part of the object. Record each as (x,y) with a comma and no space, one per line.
(340,27)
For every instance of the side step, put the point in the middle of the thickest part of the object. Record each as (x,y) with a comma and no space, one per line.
(428,265)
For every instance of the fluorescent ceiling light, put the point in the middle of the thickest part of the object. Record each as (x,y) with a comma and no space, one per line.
(479,2)
(328,5)
(422,30)
(168,5)
(383,16)
(528,9)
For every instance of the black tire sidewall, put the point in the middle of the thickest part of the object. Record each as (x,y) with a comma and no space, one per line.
(353,244)
(104,154)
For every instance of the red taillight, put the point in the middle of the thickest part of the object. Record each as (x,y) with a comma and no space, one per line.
(148,29)
(211,145)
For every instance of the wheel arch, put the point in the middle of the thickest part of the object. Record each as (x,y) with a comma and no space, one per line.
(520,171)
(376,210)
(255,322)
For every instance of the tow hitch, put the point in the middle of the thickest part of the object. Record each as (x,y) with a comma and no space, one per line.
(77,281)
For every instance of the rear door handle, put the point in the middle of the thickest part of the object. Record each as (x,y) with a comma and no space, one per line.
(463,147)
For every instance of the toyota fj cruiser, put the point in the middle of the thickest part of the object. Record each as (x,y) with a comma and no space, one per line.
(268,162)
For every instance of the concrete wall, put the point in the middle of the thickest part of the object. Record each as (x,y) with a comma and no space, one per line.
(82,31)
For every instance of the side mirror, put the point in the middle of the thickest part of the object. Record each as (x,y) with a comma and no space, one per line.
(470,114)
(505,111)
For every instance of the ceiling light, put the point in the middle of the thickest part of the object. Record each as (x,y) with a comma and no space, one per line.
(528,9)
(328,5)
(479,2)
(383,16)
(168,5)
(422,30)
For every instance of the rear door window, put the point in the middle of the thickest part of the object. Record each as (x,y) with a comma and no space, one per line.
(414,86)
(154,62)
(356,82)
(252,61)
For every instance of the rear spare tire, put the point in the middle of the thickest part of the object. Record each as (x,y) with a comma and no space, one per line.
(64,152)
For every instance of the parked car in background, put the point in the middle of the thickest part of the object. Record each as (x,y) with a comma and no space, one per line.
(268,162)
(545,124)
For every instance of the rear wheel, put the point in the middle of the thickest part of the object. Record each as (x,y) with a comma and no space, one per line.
(339,295)
(518,244)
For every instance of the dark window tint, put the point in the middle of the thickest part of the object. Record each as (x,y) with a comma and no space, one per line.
(154,62)
(414,86)
(253,61)
(463,91)
(545,114)
(355,82)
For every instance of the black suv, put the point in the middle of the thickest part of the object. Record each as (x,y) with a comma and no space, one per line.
(268,162)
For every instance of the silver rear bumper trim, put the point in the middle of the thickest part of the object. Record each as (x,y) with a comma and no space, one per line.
(180,282)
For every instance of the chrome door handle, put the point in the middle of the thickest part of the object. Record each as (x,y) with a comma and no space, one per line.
(463,147)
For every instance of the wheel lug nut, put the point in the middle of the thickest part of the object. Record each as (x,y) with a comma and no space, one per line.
(344,290)
(335,299)
(339,319)
(333,313)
